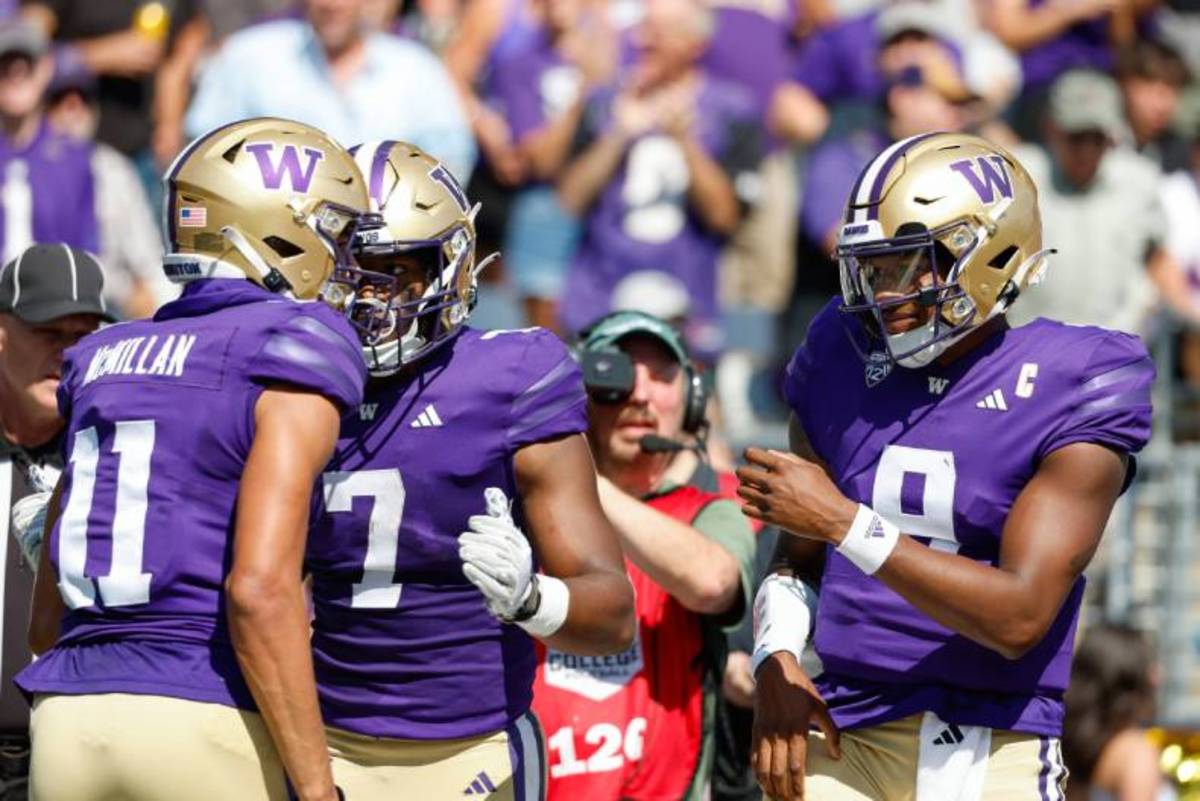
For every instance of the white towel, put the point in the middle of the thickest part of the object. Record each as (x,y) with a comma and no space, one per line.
(952,761)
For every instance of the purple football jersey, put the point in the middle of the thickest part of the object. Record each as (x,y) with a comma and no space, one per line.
(160,422)
(943,452)
(403,644)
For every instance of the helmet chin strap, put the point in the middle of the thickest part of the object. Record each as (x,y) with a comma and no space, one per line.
(898,343)
(383,360)
(386,358)
(1031,273)
(271,278)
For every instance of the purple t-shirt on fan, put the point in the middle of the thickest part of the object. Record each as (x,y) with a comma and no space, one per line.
(1083,45)
(943,452)
(841,62)
(48,192)
(763,30)
(403,644)
(643,219)
(535,86)
(160,423)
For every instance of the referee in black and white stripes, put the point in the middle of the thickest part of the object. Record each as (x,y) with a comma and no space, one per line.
(50,297)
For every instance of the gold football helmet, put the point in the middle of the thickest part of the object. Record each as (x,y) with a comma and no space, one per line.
(941,221)
(268,199)
(426,220)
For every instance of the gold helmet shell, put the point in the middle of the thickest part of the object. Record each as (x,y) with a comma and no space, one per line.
(269,199)
(972,206)
(422,208)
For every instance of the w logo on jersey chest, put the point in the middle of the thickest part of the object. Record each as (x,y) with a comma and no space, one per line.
(937,386)
(366,411)
(276,163)
(986,175)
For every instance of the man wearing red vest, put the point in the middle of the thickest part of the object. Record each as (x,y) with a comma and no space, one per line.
(637,725)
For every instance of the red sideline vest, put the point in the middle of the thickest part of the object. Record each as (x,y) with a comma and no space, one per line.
(629,725)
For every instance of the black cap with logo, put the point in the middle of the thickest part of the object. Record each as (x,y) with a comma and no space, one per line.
(51,281)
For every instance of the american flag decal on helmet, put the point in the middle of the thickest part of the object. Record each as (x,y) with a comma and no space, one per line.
(193,217)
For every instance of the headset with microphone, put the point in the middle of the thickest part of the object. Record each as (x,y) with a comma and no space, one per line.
(609,376)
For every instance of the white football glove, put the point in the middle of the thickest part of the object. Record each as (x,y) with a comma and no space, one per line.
(28,522)
(496,556)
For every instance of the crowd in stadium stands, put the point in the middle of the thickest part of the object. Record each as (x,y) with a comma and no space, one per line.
(690,159)
(682,157)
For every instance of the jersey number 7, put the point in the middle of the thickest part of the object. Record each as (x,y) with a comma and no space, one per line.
(377,590)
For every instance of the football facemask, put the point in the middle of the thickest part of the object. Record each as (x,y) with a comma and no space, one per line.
(895,292)
(424,214)
(407,297)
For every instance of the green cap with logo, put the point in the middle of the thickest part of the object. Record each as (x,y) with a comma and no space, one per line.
(608,331)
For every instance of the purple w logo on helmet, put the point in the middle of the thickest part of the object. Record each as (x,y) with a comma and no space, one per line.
(274,167)
(992,175)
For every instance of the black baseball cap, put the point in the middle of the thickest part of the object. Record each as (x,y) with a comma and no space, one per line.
(51,281)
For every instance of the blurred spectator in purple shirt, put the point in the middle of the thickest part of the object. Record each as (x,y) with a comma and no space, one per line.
(47,192)
(489,31)
(130,242)
(848,66)
(916,103)
(750,45)
(758,265)
(1054,36)
(656,171)
(543,90)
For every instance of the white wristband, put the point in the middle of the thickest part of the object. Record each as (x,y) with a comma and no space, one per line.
(784,608)
(870,540)
(552,608)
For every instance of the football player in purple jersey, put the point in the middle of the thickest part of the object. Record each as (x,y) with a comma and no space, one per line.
(945,501)
(168,610)
(425,586)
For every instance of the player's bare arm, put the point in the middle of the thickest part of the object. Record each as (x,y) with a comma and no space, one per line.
(576,543)
(1007,608)
(268,620)
(46,614)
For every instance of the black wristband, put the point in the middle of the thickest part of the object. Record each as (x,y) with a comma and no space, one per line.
(532,603)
